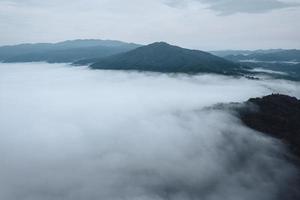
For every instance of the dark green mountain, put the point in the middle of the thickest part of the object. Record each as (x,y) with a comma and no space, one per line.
(276,115)
(162,57)
(68,51)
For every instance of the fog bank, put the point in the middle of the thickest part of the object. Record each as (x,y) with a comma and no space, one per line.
(70,133)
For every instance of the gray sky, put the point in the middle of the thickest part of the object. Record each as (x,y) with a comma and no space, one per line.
(201,24)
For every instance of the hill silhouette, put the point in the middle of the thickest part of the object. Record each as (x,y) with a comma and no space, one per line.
(276,115)
(67,51)
(163,57)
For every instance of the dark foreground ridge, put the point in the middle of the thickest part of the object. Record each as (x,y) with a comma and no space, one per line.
(276,115)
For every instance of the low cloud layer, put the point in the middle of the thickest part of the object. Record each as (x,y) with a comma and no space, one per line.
(71,133)
(228,7)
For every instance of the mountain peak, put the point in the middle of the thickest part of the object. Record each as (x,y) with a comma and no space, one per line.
(161,43)
(163,57)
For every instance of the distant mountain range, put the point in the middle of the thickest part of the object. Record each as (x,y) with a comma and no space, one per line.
(163,57)
(278,63)
(278,55)
(158,57)
(68,51)
(224,53)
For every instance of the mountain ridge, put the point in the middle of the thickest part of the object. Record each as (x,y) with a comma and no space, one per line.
(289,55)
(276,115)
(163,57)
(66,51)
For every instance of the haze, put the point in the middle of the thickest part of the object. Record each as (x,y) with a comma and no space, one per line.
(199,24)
(70,133)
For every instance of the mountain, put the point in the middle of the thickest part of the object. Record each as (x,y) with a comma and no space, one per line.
(67,51)
(276,115)
(224,53)
(292,55)
(279,63)
(280,67)
(163,57)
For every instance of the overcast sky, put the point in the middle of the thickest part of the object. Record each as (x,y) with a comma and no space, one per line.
(201,24)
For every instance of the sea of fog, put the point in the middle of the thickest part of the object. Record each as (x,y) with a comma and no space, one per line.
(71,133)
